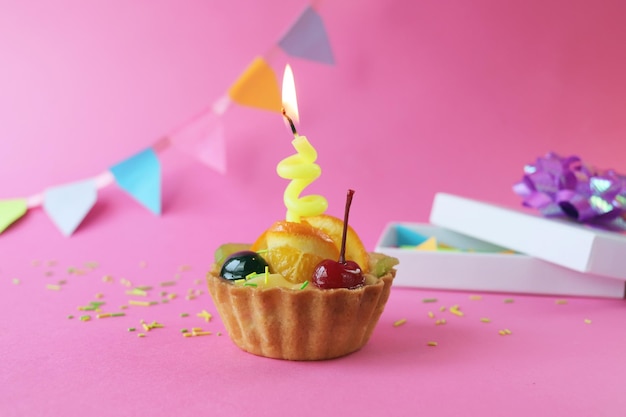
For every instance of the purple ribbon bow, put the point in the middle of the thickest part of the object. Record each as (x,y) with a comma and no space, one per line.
(558,186)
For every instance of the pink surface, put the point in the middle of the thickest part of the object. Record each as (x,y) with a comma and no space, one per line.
(425,97)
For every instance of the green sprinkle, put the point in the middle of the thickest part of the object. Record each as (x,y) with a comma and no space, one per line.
(168,283)
(131,329)
(144,288)
(118,314)
(250,284)
(184,330)
(509,300)
(304,285)
(85,318)
(184,314)
(165,301)
(70,317)
(429,300)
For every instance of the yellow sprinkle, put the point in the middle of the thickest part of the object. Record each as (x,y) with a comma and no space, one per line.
(171,296)
(455,310)
(442,308)
(168,283)
(440,322)
(137,291)
(16,281)
(561,301)
(431,314)
(432,343)
(205,315)
(85,318)
(53,287)
(587,321)
(485,320)
(91,265)
(126,282)
(145,326)
(399,322)
(190,297)
(267,274)
(201,333)
(107,278)
(123,307)
(99,296)
(141,303)
(141,335)
(103,315)
(196,329)
(184,268)
(475,297)
(507,331)
(504,332)
(187,334)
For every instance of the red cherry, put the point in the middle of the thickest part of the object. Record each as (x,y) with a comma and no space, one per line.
(339,274)
(332,274)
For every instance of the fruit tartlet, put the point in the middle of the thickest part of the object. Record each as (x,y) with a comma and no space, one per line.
(303,290)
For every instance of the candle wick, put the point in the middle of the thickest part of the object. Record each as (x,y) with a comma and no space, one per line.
(291,125)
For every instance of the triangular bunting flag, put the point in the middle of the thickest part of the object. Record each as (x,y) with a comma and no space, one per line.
(257,87)
(68,204)
(11,211)
(203,138)
(140,176)
(307,39)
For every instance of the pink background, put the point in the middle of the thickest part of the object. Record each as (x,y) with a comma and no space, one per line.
(426,96)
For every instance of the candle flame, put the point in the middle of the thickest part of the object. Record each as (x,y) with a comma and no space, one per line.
(290,101)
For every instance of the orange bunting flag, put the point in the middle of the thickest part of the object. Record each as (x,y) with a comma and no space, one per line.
(257,87)
(11,211)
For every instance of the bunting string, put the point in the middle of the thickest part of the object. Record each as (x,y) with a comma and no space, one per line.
(202,137)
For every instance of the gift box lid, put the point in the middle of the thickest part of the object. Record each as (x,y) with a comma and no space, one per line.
(572,245)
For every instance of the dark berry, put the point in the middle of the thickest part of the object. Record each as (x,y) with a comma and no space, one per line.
(241,264)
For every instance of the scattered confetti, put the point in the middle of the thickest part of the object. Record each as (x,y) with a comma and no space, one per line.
(475,297)
(399,322)
(53,287)
(429,300)
(431,314)
(504,332)
(560,302)
(86,317)
(587,321)
(103,315)
(141,335)
(137,291)
(509,301)
(432,343)
(440,322)
(485,320)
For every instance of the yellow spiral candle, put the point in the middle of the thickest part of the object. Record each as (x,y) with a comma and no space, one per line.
(302,170)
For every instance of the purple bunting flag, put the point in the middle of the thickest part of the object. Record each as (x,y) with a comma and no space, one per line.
(307,39)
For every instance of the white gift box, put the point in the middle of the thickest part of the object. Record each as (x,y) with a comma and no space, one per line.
(566,243)
(487,264)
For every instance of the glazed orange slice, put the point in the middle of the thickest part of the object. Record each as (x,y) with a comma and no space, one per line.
(333,227)
(294,249)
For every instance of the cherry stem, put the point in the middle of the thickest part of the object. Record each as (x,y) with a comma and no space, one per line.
(342,253)
(291,125)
